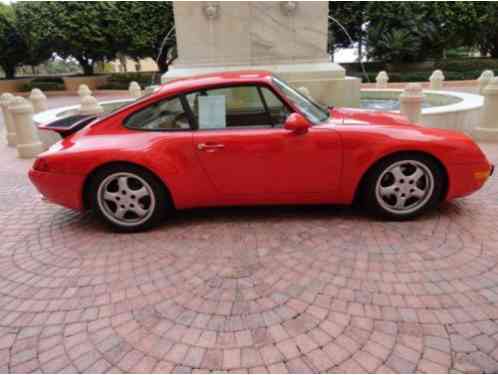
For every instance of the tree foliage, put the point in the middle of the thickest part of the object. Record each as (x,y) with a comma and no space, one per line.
(142,28)
(83,30)
(12,45)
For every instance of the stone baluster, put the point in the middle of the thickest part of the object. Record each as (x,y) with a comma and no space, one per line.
(10,130)
(484,80)
(304,90)
(382,79)
(150,90)
(90,106)
(135,90)
(411,102)
(437,79)
(28,143)
(83,91)
(488,128)
(39,100)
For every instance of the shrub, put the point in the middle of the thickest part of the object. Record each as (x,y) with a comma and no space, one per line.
(44,84)
(121,81)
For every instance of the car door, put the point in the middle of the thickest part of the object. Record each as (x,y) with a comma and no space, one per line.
(246,152)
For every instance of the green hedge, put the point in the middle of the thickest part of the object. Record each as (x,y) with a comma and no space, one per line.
(121,81)
(453,69)
(44,84)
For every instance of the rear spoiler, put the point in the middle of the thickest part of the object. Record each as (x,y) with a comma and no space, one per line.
(68,125)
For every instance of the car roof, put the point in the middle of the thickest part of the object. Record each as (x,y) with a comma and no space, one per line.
(213,79)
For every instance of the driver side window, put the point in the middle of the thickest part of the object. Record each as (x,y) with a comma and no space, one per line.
(163,115)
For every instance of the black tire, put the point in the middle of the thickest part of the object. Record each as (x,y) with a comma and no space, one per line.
(376,203)
(135,175)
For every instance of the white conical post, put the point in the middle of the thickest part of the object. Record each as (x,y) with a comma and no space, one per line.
(150,90)
(135,90)
(10,128)
(488,127)
(90,106)
(304,90)
(382,79)
(484,80)
(83,91)
(411,102)
(437,79)
(39,100)
(28,143)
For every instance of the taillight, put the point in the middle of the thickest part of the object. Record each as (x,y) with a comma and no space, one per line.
(41,165)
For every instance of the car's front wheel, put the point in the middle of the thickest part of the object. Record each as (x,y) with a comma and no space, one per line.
(404,186)
(128,198)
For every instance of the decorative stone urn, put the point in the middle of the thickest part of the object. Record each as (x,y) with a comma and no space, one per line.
(90,106)
(484,79)
(28,143)
(39,100)
(488,129)
(10,133)
(437,79)
(83,91)
(381,80)
(411,102)
(135,90)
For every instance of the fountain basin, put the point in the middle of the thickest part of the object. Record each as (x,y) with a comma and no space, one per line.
(441,109)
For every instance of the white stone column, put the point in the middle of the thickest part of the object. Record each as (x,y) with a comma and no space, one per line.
(484,80)
(39,100)
(304,90)
(28,144)
(488,128)
(382,79)
(411,102)
(135,90)
(90,106)
(150,90)
(437,79)
(83,91)
(10,130)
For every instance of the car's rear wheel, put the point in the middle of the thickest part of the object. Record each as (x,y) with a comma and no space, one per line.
(404,186)
(128,198)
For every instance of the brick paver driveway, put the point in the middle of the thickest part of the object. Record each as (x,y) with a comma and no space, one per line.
(253,289)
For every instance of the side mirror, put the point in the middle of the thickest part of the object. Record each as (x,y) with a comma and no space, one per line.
(297,123)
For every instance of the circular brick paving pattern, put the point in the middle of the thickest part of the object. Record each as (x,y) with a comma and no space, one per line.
(307,289)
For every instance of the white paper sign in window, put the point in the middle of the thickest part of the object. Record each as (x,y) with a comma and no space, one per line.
(212,112)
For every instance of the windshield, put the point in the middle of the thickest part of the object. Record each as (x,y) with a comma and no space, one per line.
(313,111)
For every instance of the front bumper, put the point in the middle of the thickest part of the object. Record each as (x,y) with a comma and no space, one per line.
(63,189)
(465,179)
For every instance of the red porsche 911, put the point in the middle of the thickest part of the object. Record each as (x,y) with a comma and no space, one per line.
(248,138)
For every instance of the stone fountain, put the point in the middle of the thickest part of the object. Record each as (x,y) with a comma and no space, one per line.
(288,38)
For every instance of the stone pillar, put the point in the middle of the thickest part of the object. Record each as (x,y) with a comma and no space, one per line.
(39,100)
(488,128)
(484,79)
(90,106)
(28,144)
(437,79)
(135,90)
(150,89)
(10,130)
(382,79)
(411,102)
(83,91)
(288,38)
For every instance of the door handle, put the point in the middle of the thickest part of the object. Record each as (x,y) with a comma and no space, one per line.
(209,146)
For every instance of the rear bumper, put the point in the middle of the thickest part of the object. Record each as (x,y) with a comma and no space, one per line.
(63,189)
(464,179)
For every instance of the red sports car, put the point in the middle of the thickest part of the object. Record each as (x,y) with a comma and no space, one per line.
(247,138)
